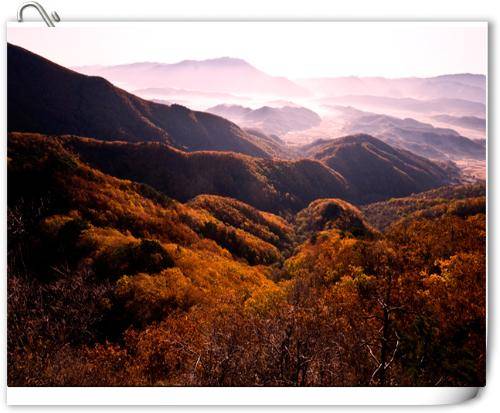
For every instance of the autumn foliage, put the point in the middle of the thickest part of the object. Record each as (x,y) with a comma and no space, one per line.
(111,283)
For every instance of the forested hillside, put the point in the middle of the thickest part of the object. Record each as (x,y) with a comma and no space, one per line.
(112,283)
(355,173)
(456,199)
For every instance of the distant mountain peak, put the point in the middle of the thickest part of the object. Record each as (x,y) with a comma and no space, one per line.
(216,62)
(221,75)
(213,62)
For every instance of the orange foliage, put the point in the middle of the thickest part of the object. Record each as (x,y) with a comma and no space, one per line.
(112,283)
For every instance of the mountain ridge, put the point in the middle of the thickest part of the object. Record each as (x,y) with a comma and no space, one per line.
(60,101)
(273,185)
(219,74)
(418,137)
(375,168)
(271,120)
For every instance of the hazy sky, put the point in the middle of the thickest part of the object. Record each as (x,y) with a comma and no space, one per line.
(292,49)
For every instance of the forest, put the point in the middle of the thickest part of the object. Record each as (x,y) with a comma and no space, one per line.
(113,283)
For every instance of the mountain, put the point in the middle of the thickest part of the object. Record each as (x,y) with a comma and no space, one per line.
(375,170)
(421,138)
(456,107)
(469,79)
(469,122)
(360,169)
(61,101)
(269,119)
(267,184)
(470,87)
(230,111)
(220,75)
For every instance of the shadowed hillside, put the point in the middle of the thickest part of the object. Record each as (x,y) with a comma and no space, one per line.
(270,185)
(376,170)
(358,169)
(47,98)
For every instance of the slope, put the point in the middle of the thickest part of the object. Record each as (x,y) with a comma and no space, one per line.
(376,170)
(59,101)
